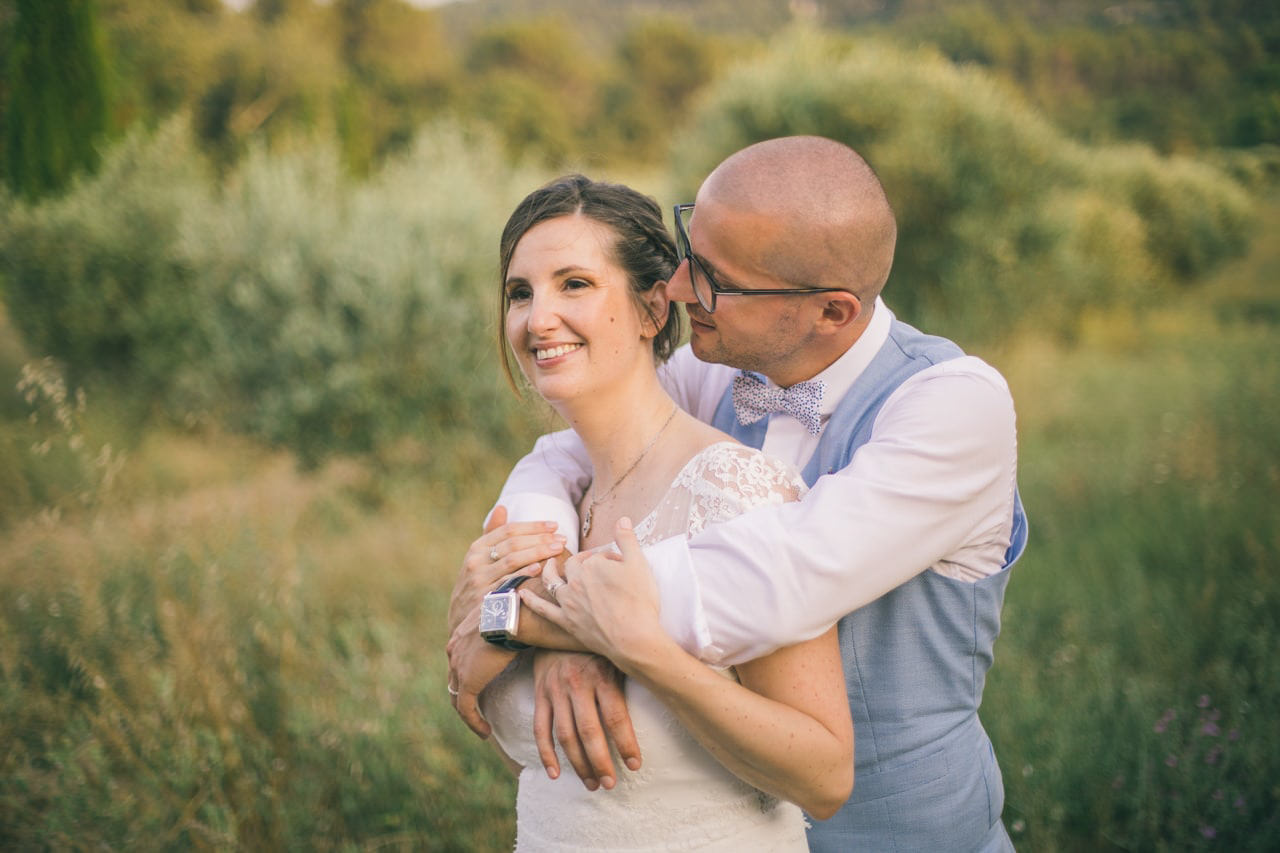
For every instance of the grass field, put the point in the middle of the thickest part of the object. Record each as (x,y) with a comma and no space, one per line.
(202,647)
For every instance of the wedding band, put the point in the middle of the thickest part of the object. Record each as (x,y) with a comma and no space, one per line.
(449,687)
(493,554)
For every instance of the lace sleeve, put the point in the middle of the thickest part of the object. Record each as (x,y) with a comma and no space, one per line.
(722,482)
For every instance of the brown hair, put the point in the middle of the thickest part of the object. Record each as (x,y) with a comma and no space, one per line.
(643,247)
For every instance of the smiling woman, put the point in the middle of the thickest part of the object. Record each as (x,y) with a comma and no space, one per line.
(603,235)
(586,316)
(571,317)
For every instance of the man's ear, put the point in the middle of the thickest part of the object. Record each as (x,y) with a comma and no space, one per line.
(840,311)
(658,303)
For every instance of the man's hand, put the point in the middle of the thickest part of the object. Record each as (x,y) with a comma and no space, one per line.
(580,697)
(608,601)
(517,546)
(473,663)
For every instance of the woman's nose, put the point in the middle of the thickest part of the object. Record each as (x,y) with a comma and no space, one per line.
(543,313)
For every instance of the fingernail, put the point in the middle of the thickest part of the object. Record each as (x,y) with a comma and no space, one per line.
(633,764)
(553,772)
(624,523)
(549,525)
(607,782)
(591,784)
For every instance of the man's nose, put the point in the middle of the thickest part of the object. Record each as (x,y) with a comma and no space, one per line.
(680,285)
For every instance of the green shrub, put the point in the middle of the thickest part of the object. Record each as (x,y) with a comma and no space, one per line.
(1195,217)
(1002,219)
(91,277)
(341,316)
(292,302)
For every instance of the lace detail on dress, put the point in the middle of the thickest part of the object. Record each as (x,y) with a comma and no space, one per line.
(721,482)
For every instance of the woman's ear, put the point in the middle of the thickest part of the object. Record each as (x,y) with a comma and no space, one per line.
(657,304)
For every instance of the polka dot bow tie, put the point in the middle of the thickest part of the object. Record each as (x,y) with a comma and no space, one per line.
(753,399)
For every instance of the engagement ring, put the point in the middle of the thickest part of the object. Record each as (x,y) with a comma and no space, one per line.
(449,687)
(493,554)
(553,587)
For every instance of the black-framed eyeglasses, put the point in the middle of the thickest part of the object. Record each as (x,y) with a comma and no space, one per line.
(705,286)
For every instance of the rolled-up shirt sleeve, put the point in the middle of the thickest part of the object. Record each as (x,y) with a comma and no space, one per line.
(548,482)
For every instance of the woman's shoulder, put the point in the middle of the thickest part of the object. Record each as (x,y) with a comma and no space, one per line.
(728,465)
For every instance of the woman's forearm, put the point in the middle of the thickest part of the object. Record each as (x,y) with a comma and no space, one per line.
(805,756)
(545,634)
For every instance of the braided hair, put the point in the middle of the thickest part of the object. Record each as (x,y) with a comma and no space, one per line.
(643,247)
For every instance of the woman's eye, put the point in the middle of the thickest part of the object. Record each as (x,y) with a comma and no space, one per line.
(576,284)
(518,294)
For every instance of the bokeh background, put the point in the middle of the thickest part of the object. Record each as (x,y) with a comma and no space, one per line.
(251,413)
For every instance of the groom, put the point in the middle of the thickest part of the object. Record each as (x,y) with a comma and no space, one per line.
(910,528)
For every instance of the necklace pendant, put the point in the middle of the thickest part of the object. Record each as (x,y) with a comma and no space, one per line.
(586,523)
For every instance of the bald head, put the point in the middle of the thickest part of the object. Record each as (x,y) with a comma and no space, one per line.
(832,224)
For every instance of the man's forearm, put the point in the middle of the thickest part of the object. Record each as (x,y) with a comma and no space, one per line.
(936,482)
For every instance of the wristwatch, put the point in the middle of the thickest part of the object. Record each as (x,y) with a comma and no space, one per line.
(500,614)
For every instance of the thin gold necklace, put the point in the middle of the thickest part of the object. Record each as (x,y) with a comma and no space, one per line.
(586,517)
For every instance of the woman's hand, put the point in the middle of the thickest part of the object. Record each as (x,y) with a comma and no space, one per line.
(473,663)
(503,550)
(608,601)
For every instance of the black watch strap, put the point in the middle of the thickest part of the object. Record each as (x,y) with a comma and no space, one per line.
(510,583)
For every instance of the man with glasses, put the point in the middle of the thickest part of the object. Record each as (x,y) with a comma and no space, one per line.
(907,534)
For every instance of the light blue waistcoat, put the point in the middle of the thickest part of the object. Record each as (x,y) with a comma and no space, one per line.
(915,661)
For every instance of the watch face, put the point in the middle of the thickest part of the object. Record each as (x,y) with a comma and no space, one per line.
(495,613)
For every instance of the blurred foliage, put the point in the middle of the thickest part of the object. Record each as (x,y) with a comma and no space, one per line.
(326,309)
(1003,220)
(90,277)
(288,300)
(579,83)
(245,659)
(1194,76)
(53,102)
(346,316)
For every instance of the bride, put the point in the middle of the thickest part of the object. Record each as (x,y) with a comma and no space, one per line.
(730,757)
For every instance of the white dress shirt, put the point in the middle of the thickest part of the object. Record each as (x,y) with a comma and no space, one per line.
(932,489)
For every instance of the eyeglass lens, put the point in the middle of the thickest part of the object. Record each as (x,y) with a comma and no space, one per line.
(703,290)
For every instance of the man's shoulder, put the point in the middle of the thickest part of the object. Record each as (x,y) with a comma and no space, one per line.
(917,345)
(964,380)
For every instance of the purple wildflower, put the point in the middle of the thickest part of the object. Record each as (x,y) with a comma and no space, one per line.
(1211,729)
(1234,734)
(1212,756)
(1171,761)
(1203,702)
(1208,832)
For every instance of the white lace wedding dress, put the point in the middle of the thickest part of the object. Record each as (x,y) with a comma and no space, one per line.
(681,798)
